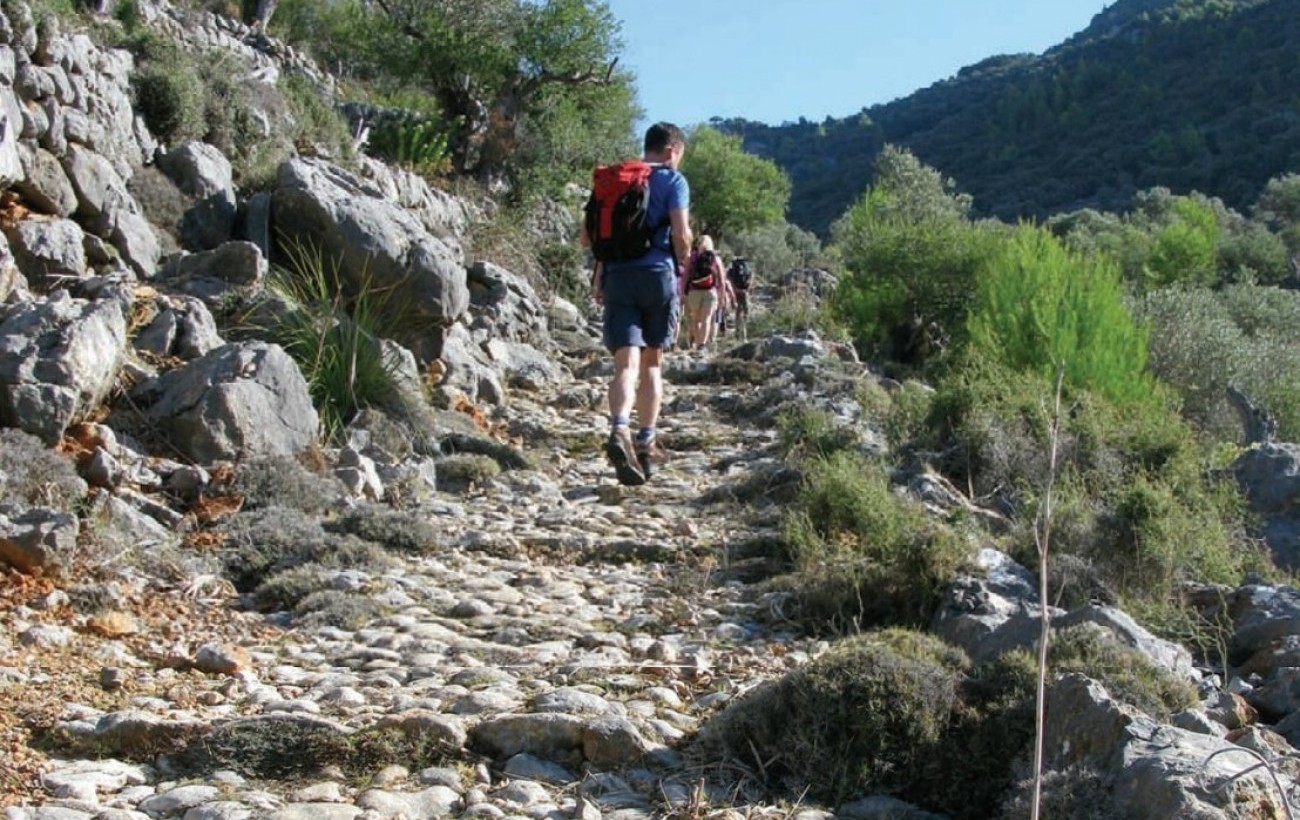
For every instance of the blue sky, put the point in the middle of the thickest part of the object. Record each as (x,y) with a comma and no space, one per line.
(778,60)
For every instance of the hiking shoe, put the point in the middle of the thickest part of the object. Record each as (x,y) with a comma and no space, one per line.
(622,454)
(650,455)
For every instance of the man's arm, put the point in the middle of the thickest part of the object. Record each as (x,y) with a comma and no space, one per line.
(680,233)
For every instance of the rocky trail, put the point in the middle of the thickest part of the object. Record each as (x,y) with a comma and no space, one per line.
(545,659)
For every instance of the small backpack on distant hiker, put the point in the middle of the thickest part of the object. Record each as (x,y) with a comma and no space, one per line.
(740,274)
(617,218)
(701,274)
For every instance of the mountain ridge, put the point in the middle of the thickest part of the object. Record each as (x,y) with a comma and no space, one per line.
(1182,94)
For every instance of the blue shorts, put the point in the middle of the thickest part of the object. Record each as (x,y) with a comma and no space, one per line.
(640,307)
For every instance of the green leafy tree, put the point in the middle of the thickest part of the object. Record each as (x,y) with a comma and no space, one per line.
(911,256)
(1279,207)
(514,78)
(1041,306)
(732,191)
(1185,248)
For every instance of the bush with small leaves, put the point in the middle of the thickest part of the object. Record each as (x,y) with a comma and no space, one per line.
(811,432)
(265,542)
(862,554)
(1128,675)
(457,473)
(343,610)
(282,591)
(167,88)
(284,482)
(1244,336)
(895,689)
(32,473)
(395,530)
(1073,793)
(1133,497)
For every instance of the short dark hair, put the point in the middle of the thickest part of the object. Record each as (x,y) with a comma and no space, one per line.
(661,135)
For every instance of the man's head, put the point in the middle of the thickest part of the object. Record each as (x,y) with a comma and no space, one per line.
(665,142)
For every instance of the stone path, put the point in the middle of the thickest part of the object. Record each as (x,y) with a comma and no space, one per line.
(563,639)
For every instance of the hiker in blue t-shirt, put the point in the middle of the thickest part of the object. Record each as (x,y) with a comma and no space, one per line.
(641,307)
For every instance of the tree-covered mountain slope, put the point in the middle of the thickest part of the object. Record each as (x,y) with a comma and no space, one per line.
(1190,94)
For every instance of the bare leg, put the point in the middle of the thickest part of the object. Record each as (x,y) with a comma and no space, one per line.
(622,387)
(650,388)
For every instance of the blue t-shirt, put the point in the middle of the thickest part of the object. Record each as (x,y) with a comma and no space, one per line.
(668,191)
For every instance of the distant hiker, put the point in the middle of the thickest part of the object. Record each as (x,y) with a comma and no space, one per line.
(740,274)
(704,291)
(637,225)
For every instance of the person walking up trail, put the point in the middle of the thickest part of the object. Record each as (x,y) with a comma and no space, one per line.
(739,275)
(638,227)
(704,292)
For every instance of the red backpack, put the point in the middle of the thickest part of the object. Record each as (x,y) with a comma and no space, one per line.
(702,272)
(617,217)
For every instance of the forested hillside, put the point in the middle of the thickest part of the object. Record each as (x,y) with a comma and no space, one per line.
(1197,95)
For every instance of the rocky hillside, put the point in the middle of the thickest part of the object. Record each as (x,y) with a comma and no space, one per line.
(448,607)
(1186,95)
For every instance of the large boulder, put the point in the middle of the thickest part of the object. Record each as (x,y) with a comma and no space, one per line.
(203,172)
(241,401)
(106,208)
(322,209)
(1269,477)
(1151,771)
(59,358)
(49,252)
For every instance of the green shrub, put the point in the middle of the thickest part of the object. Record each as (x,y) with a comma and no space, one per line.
(912,258)
(862,554)
(1040,306)
(807,431)
(1134,499)
(1128,675)
(1197,349)
(1203,341)
(908,286)
(860,719)
(796,311)
(168,91)
(989,731)
(776,249)
(278,748)
(264,543)
(283,590)
(1160,534)
(1184,249)
(904,418)
(420,145)
(993,423)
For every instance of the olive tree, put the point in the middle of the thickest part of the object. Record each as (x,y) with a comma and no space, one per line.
(513,80)
(732,191)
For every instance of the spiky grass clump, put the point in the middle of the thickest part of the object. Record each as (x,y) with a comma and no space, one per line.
(333,332)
